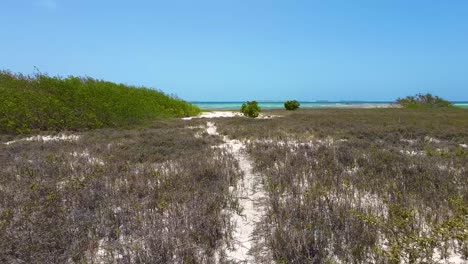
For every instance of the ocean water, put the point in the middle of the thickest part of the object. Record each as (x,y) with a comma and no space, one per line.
(280,105)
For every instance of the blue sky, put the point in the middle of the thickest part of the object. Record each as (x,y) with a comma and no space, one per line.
(227,50)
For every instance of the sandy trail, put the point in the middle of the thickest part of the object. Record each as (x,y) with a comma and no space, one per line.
(251,197)
(40,138)
(224,114)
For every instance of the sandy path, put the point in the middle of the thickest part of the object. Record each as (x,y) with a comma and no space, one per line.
(224,114)
(251,197)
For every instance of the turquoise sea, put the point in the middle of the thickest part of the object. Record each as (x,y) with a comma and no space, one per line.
(318,104)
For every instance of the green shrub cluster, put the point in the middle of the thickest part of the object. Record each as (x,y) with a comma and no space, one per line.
(423,101)
(291,105)
(250,109)
(41,102)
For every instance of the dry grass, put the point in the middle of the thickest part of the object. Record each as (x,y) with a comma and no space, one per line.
(358,186)
(153,195)
(349,186)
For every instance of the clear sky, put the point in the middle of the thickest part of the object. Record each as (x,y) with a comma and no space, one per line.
(227,50)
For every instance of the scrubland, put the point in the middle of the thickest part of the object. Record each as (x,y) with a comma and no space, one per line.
(337,185)
(151,195)
(362,185)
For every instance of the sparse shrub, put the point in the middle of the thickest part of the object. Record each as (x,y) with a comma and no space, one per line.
(341,188)
(250,109)
(366,190)
(423,101)
(291,105)
(160,195)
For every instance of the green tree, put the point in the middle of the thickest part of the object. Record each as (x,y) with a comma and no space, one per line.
(250,109)
(423,101)
(291,105)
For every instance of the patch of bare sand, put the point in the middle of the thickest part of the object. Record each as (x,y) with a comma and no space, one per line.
(59,137)
(220,114)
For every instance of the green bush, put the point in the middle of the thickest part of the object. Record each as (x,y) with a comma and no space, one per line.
(423,101)
(41,102)
(291,105)
(250,109)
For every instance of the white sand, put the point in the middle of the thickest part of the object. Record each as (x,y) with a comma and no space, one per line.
(251,197)
(220,114)
(215,114)
(432,140)
(409,141)
(59,137)
(211,129)
(413,153)
(452,258)
(85,154)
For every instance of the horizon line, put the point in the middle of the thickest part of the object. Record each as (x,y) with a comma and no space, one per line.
(317,101)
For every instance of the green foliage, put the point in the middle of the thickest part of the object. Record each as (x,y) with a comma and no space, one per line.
(454,228)
(41,102)
(423,101)
(250,109)
(406,243)
(291,105)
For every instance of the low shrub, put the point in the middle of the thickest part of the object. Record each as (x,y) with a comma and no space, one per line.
(423,101)
(291,105)
(250,109)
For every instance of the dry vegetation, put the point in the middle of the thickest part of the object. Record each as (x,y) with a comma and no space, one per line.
(343,186)
(154,195)
(360,186)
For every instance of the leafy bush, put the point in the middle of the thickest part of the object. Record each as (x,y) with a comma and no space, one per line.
(250,109)
(41,102)
(423,101)
(291,105)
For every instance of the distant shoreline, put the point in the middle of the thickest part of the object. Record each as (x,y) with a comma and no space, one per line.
(317,104)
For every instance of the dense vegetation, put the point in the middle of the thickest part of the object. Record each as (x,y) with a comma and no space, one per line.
(362,186)
(423,101)
(291,105)
(41,102)
(250,109)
